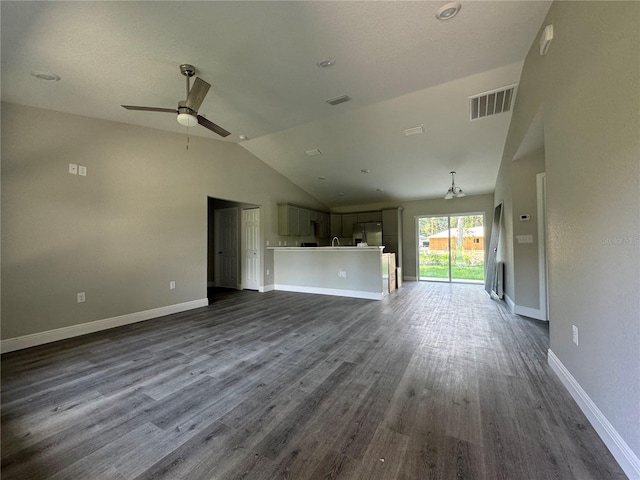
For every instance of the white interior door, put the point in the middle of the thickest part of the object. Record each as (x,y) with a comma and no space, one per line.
(251,252)
(226,247)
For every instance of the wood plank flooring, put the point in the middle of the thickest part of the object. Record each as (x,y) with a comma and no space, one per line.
(436,381)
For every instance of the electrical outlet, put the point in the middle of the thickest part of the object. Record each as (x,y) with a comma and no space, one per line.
(81,297)
(172,285)
(342,274)
(73,169)
(82,170)
(268,272)
(575,334)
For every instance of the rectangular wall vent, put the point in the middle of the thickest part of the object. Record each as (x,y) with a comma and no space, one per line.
(491,103)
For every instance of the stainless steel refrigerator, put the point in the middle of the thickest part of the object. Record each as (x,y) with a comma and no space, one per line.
(369,233)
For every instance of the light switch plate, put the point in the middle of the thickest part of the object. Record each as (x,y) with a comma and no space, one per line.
(524,238)
(73,169)
(82,170)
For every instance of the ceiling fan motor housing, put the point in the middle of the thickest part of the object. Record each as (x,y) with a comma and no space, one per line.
(182,108)
(187,70)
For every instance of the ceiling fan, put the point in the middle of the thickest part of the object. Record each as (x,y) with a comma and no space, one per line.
(188,109)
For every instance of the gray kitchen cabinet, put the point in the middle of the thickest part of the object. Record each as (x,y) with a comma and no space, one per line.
(348,219)
(322,225)
(335,225)
(288,221)
(304,222)
(375,216)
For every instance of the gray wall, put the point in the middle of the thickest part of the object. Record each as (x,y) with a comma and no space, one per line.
(588,86)
(523,179)
(520,259)
(137,221)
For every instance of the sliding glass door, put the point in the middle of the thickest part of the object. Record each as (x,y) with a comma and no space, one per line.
(451,248)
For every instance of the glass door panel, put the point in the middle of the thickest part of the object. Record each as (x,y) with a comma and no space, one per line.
(467,248)
(433,249)
(446,256)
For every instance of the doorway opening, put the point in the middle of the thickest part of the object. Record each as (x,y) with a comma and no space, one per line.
(234,255)
(451,248)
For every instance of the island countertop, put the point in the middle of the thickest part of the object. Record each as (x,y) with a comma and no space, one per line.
(341,271)
(328,248)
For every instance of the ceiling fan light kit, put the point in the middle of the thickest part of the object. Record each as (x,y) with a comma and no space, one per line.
(454,191)
(187,120)
(187,110)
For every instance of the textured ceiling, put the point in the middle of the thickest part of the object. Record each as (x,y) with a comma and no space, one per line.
(401,66)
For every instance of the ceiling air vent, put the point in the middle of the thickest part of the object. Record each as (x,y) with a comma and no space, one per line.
(338,100)
(491,103)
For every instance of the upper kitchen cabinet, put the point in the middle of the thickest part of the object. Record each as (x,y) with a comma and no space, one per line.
(336,225)
(296,221)
(322,225)
(348,219)
(365,217)
(288,220)
(304,222)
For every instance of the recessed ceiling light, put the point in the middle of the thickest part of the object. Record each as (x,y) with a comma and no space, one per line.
(46,76)
(326,63)
(242,137)
(379,189)
(341,194)
(365,170)
(322,178)
(448,11)
(313,153)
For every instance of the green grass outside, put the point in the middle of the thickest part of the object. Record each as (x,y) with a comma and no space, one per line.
(457,272)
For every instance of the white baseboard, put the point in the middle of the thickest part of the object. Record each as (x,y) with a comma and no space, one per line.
(40,338)
(524,311)
(529,312)
(330,291)
(510,303)
(628,460)
(267,288)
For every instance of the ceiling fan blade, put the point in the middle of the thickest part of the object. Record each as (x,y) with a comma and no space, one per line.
(150,109)
(212,126)
(197,94)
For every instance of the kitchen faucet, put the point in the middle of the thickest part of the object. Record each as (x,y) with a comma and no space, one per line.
(335,239)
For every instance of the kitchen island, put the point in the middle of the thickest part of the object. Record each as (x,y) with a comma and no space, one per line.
(358,272)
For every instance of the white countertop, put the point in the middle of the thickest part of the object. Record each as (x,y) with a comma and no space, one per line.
(330,249)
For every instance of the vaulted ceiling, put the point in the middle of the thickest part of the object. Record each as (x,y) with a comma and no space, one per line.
(399,64)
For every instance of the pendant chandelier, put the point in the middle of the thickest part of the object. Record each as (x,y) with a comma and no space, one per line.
(453,191)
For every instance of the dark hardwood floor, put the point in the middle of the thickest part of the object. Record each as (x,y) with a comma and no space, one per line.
(436,381)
